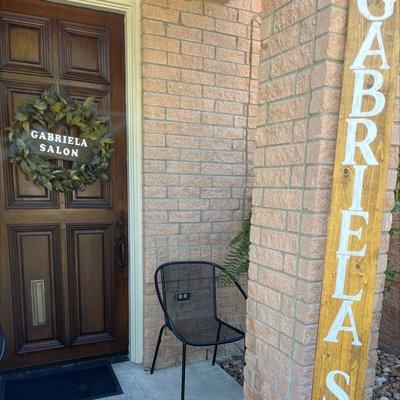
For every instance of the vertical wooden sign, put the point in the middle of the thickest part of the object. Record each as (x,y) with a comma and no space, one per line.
(358,188)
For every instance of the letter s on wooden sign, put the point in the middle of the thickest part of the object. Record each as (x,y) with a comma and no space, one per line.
(334,388)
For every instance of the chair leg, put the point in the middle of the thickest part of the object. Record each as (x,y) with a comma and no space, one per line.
(157,347)
(183,371)
(215,354)
(216,346)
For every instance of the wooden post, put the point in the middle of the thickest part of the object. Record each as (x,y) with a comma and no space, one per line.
(359,181)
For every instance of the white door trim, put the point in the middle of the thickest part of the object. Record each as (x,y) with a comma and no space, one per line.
(131,10)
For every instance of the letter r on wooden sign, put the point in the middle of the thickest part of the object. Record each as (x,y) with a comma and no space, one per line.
(363,145)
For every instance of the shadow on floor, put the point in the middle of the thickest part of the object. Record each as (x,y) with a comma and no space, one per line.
(203,382)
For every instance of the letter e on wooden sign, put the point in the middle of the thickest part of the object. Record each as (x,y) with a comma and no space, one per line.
(365,126)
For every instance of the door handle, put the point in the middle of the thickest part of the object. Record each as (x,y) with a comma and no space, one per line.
(120,241)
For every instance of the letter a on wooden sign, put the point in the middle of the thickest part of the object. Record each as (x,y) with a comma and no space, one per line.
(364,135)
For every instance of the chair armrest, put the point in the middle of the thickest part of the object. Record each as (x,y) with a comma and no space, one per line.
(244,294)
(235,282)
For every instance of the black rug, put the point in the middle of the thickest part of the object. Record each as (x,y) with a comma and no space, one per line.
(71,382)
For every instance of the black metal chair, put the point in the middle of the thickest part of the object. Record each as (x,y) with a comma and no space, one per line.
(2,343)
(189,299)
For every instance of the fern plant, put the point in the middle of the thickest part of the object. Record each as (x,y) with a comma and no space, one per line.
(236,261)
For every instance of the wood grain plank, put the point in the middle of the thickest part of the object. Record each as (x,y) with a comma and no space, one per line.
(343,355)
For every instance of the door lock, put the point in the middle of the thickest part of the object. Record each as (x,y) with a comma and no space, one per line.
(120,222)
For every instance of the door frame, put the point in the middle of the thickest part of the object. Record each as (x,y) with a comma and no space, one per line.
(131,10)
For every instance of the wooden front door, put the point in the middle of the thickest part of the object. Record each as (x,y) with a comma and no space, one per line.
(63,268)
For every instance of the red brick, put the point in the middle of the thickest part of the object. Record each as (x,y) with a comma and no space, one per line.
(184,33)
(199,50)
(219,39)
(220,11)
(159,13)
(293,12)
(198,77)
(234,56)
(184,89)
(197,21)
(220,67)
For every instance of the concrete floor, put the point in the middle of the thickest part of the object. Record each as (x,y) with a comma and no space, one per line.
(203,382)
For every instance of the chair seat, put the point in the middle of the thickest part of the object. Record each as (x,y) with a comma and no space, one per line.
(204,332)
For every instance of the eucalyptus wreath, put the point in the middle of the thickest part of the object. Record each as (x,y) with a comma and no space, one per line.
(50,112)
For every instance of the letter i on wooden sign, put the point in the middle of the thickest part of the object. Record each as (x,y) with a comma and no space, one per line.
(364,135)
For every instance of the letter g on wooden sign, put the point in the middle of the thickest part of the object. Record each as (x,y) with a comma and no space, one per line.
(359,182)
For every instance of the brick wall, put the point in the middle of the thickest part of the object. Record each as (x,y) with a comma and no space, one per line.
(199,68)
(389,338)
(300,85)
(385,250)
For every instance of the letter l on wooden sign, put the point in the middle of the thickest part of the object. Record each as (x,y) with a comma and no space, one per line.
(365,126)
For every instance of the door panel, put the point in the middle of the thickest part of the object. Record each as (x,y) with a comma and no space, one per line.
(91,283)
(19,192)
(97,195)
(84,52)
(62,296)
(26,44)
(36,285)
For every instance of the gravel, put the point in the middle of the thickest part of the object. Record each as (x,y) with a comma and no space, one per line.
(234,367)
(387,379)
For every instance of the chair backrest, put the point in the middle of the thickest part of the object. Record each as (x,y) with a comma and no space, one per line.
(187,290)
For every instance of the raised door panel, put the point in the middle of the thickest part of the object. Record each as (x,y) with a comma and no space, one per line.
(91,283)
(97,195)
(25,44)
(20,193)
(84,52)
(37,287)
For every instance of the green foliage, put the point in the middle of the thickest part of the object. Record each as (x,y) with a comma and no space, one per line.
(236,261)
(50,112)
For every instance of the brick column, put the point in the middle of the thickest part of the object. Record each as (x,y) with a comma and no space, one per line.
(300,86)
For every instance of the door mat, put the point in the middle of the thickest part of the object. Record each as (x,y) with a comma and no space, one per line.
(69,382)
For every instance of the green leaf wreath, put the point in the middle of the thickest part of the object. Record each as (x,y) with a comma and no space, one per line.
(50,112)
